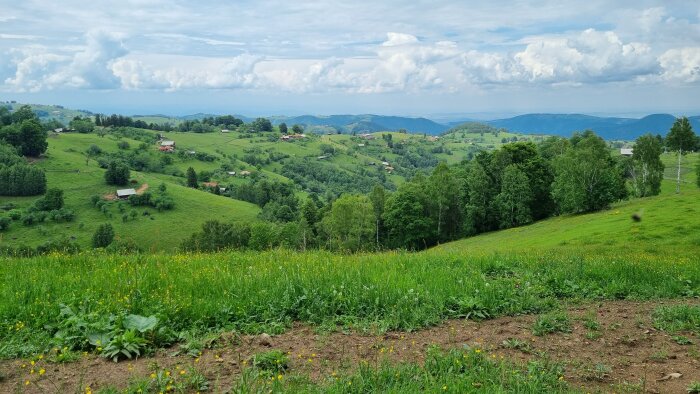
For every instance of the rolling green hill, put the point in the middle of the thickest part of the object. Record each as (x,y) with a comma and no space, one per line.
(669,226)
(355,160)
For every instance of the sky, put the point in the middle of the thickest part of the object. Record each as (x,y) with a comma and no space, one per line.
(437,58)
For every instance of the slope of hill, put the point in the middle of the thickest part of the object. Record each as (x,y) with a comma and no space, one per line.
(608,128)
(669,226)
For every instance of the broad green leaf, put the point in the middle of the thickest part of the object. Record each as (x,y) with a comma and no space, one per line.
(140,323)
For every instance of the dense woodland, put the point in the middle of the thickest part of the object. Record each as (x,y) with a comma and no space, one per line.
(324,207)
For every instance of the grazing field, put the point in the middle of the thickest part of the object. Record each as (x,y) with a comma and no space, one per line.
(65,302)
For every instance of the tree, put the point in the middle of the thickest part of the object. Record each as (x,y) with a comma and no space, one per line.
(378,199)
(82,125)
(697,173)
(262,124)
(349,224)
(477,195)
(647,170)
(192,178)
(117,173)
(91,152)
(103,236)
(24,113)
(586,177)
(283,128)
(52,200)
(681,138)
(444,195)
(513,202)
(33,138)
(407,217)
(297,129)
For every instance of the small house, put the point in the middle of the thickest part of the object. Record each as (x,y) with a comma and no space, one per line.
(389,168)
(626,152)
(360,145)
(245,173)
(231,173)
(210,184)
(367,136)
(165,148)
(385,163)
(323,157)
(123,194)
(168,143)
(58,130)
(225,130)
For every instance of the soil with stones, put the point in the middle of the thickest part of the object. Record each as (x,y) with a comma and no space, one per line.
(625,354)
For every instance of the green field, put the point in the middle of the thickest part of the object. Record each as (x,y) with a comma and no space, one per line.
(66,168)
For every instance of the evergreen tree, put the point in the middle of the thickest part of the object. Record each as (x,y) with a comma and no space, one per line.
(192,178)
(283,128)
(103,236)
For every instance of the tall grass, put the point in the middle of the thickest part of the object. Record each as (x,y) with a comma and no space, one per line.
(256,292)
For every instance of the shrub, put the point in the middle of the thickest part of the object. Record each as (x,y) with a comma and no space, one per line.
(4,223)
(52,200)
(103,236)
(117,173)
(15,214)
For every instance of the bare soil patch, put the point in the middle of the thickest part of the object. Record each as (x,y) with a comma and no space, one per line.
(624,354)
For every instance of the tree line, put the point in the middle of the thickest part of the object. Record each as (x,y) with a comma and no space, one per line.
(512,186)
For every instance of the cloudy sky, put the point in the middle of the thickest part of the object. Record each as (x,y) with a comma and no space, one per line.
(435,58)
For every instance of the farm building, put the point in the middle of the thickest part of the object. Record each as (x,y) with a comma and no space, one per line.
(210,184)
(225,130)
(245,173)
(367,136)
(166,148)
(626,151)
(58,130)
(291,137)
(231,173)
(125,193)
(167,143)
(385,163)
(389,168)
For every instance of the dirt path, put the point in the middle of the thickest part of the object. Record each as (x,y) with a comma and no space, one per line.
(626,354)
(142,188)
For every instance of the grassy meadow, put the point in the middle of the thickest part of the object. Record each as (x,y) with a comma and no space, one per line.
(531,269)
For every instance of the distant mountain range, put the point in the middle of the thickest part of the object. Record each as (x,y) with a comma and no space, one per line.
(554,124)
(608,128)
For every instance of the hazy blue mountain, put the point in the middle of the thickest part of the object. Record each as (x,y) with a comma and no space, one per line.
(607,127)
(365,123)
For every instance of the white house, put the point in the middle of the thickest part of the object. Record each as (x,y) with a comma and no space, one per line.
(626,151)
(125,193)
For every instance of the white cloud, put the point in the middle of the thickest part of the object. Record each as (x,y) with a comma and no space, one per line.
(681,64)
(396,39)
(38,69)
(590,56)
(183,72)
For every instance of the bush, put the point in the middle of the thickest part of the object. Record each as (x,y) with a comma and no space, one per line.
(4,223)
(117,173)
(103,236)
(52,200)
(63,245)
(15,214)
(123,145)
